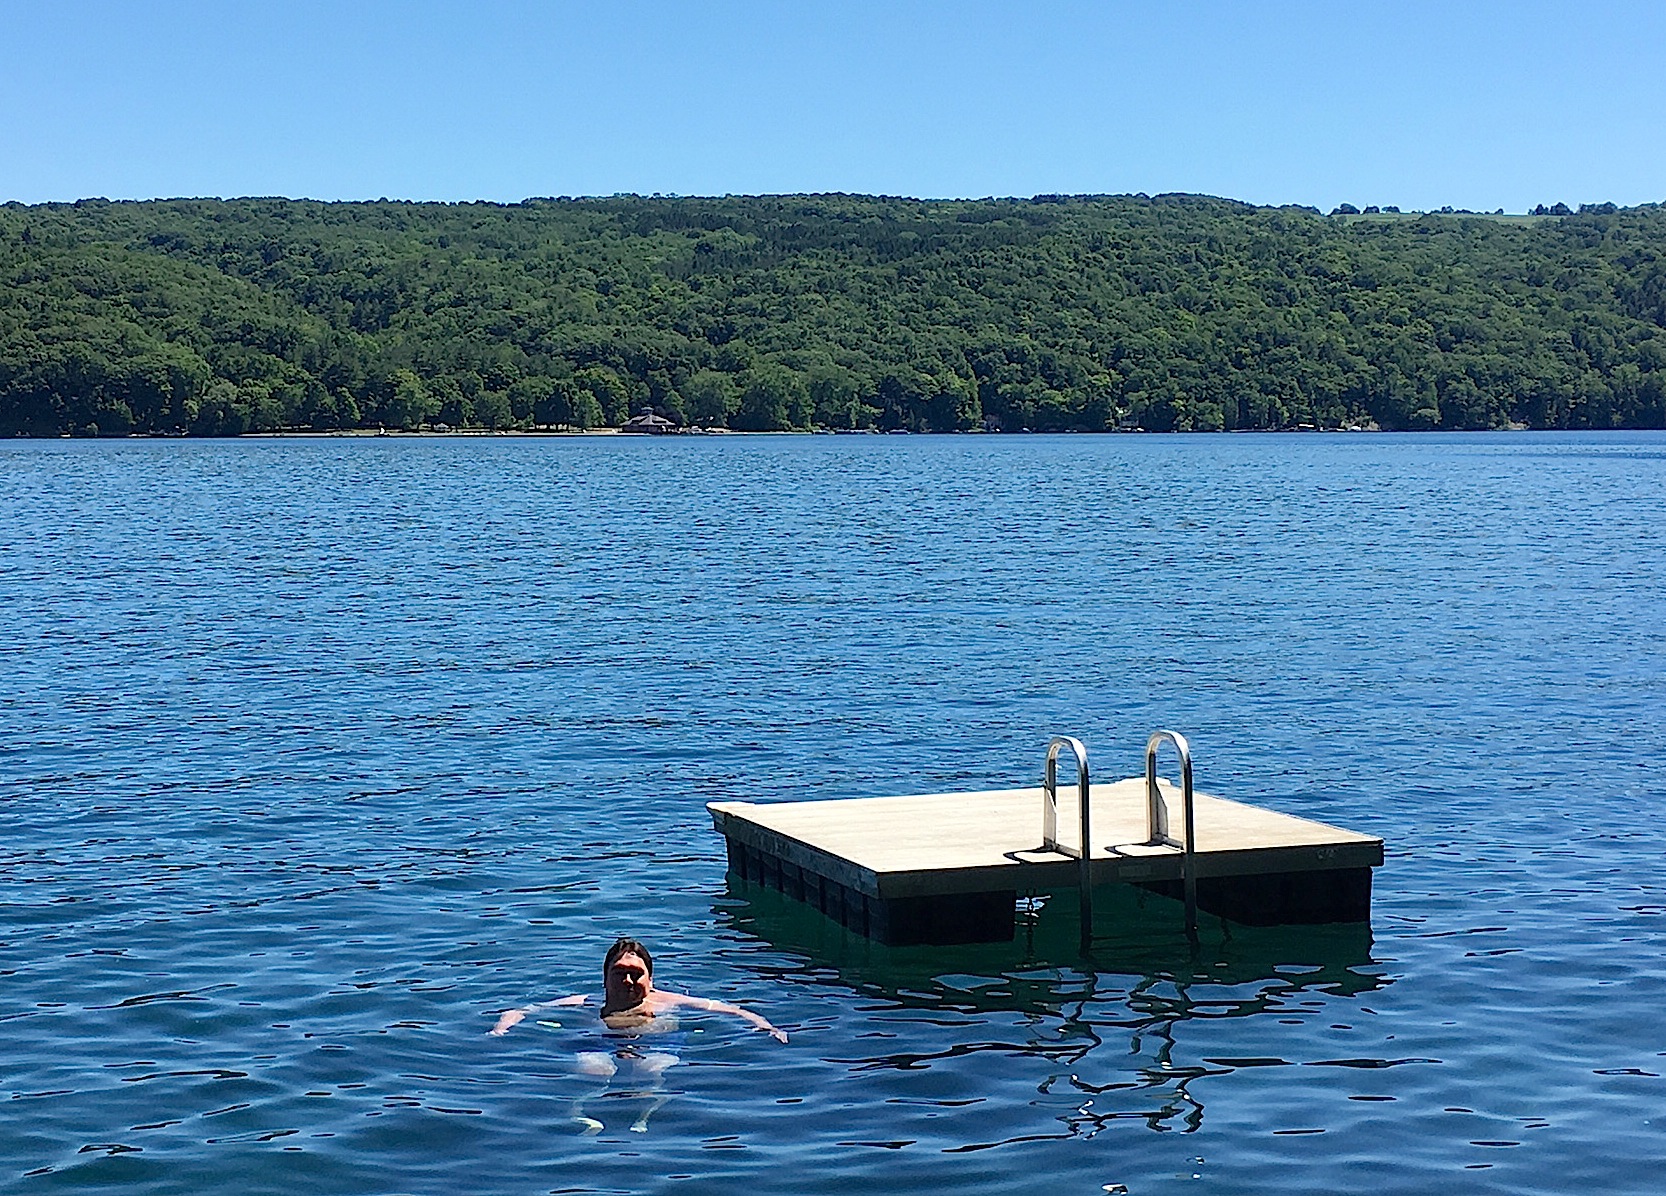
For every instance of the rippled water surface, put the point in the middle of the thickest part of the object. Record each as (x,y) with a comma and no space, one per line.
(314,754)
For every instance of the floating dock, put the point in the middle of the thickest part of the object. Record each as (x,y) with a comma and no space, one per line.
(949,867)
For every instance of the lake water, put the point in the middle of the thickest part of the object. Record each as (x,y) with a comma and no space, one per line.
(314,754)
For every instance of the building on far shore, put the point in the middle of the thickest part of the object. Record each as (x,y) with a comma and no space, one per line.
(647,421)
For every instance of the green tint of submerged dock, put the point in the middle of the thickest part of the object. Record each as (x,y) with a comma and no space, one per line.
(948,867)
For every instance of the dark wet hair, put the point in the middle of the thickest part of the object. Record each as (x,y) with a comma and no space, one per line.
(626,947)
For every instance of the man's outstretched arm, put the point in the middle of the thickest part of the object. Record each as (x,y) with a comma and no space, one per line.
(761,1023)
(514,1017)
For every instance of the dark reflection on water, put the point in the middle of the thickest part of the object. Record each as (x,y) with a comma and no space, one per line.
(1142,981)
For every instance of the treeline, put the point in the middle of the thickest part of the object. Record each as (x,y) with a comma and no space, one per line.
(1171,312)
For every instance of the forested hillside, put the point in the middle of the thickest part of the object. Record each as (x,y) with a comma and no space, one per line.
(1173,312)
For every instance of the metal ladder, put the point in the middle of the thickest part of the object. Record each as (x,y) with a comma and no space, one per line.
(1050,823)
(1156,820)
(1157,817)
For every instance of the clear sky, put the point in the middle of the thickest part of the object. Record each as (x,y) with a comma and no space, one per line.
(1469,103)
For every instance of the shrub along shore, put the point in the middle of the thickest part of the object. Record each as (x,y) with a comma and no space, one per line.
(1097,313)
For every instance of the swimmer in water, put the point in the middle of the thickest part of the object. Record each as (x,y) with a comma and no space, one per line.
(629,999)
(630,1002)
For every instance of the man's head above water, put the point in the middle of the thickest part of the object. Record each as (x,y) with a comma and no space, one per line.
(627,974)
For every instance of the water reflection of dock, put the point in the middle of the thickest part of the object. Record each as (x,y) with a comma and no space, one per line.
(1107,1027)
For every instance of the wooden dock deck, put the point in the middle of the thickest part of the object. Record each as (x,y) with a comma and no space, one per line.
(948,867)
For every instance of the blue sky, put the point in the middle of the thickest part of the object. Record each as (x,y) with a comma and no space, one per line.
(1470,104)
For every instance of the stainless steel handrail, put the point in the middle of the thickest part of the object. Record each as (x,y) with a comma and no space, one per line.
(1050,822)
(1157,819)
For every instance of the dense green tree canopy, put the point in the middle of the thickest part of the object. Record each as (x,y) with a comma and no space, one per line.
(1173,312)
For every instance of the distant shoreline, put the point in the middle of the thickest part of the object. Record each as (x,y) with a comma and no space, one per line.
(1049,314)
(607,433)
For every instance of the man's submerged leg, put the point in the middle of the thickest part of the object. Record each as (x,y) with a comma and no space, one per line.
(653,1065)
(601,1065)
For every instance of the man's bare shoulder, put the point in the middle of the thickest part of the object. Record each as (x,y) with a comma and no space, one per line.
(662,998)
(674,1000)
